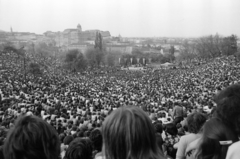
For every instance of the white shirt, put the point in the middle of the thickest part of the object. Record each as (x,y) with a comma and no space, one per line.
(234,151)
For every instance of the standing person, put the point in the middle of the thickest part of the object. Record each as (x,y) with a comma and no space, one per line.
(128,133)
(178,113)
(195,122)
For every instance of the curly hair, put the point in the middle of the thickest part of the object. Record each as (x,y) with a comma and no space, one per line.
(195,122)
(228,107)
(31,137)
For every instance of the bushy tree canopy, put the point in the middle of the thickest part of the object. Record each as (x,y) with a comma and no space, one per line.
(75,60)
(209,47)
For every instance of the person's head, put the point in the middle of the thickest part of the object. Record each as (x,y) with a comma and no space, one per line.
(128,133)
(228,106)
(158,127)
(195,122)
(96,138)
(32,137)
(68,139)
(79,148)
(171,129)
(216,139)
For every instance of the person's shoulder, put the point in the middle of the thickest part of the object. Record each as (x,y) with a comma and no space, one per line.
(190,137)
(233,151)
(235,145)
(186,136)
(99,156)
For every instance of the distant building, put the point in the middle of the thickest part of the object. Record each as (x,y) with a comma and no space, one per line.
(17,38)
(119,48)
(81,47)
(147,50)
(25,36)
(3,36)
(238,43)
(68,39)
(76,36)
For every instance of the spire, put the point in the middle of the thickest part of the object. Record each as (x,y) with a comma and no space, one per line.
(79,27)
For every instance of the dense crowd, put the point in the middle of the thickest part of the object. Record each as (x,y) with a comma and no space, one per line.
(121,114)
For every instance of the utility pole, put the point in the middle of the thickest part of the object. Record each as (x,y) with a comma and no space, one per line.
(24,60)
(2,59)
(55,62)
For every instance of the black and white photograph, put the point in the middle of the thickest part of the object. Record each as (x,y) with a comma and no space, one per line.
(119,79)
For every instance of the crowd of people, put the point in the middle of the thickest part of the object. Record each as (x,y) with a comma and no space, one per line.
(178,113)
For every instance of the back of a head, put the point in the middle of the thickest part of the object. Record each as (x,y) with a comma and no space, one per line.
(96,138)
(79,148)
(129,134)
(158,127)
(68,139)
(228,106)
(215,139)
(171,129)
(195,122)
(31,137)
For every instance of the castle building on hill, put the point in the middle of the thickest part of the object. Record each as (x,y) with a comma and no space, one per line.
(76,36)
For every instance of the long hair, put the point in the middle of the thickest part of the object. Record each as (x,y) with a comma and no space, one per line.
(31,138)
(215,131)
(129,134)
(228,106)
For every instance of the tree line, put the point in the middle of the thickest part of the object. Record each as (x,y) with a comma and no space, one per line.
(209,47)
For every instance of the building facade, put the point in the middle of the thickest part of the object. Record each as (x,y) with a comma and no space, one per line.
(75,36)
(119,48)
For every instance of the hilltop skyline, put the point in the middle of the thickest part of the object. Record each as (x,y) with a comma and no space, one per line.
(135,18)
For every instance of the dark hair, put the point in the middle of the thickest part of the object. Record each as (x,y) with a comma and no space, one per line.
(228,106)
(1,152)
(158,127)
(32,137)
(159,140)
(62,137)
(195,122)
(96,138)
(68,139)
(215,131)
(79,148)
(129,133)
(171,129)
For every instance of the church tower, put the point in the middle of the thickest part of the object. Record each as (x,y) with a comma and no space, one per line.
(11,31)
(79,28)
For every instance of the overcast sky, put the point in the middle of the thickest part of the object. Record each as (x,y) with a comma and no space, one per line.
(129,18)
